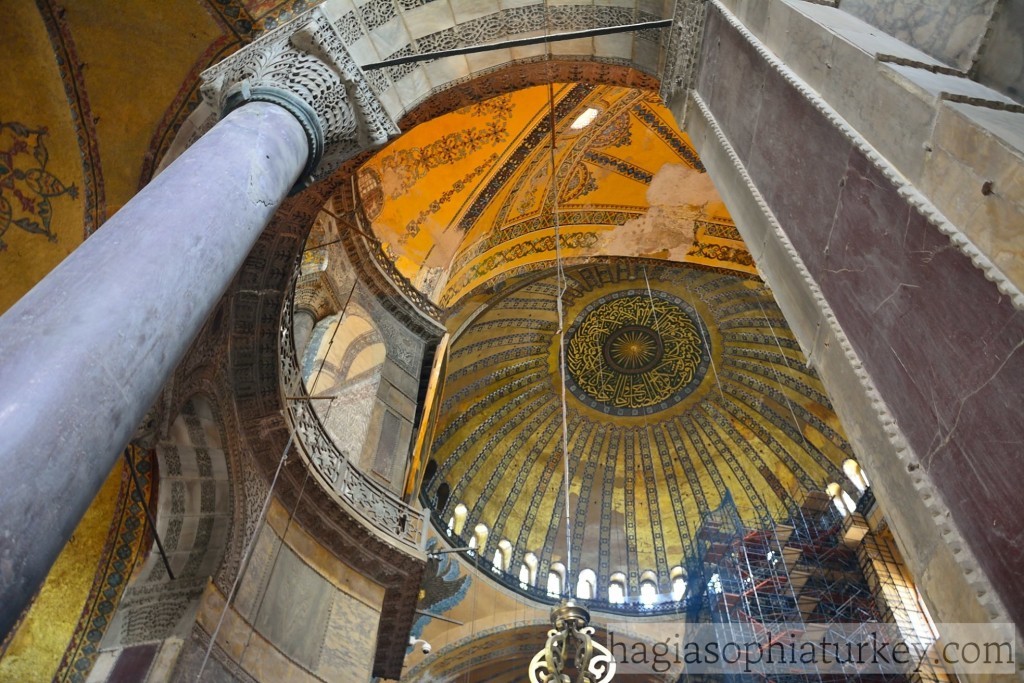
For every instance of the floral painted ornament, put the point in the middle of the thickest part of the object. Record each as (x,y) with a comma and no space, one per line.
(26,187)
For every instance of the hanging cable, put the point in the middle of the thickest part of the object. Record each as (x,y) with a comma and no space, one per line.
(778,377)
(277,555)
(149,513)
(305,479)
(247,554)
(571,637)
(562,287)
(704,338)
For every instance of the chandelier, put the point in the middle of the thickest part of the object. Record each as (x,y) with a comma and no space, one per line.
(571,655)
(571,648)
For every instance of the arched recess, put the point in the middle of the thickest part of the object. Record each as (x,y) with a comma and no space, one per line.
(193,520)
(345,362)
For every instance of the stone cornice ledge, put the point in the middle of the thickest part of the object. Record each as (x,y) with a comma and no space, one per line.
(683,49)
(905,188)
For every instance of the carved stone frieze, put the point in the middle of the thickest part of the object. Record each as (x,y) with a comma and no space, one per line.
(304,67)
(683,47)
(316,293)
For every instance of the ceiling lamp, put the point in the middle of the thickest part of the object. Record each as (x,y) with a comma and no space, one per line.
(570,647)
(584,119)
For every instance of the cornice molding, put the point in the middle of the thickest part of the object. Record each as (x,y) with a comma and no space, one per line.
(905,188)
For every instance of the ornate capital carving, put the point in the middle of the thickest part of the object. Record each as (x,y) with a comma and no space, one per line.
(304,67)
(683,50)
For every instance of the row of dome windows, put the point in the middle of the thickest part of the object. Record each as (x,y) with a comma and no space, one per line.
(586,585)
(843,501)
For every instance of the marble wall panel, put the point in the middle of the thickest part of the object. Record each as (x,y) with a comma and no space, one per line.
(350,642)
(950,30)
(731,97)
(133,664)
(939,340)
(295,609)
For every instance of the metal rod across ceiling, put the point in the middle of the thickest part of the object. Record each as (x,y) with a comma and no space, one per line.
(519,42)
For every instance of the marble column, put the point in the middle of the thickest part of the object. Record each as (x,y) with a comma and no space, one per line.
(86,352)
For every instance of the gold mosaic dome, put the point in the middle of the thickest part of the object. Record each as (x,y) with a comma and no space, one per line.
(685,386)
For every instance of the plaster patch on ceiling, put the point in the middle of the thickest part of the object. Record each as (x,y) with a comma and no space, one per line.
(678,196)
(467,198)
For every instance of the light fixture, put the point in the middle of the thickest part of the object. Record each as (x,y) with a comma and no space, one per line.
(584,119)
(571,648)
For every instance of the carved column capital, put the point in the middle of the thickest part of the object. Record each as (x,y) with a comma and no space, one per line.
(683,49)
(304,67)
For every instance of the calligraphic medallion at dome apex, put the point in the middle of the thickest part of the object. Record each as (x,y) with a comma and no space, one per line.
(635,352)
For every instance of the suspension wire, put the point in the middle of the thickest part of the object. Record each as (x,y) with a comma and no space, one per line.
(277,556)
(520,42)
(778,376)
(330,342)
(145,508)
(251,546)
(711,357)
(305,479)
(654,311)
(651,444)
(246,555)
(562,287)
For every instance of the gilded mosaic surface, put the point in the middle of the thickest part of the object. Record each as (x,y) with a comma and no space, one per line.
(474,195)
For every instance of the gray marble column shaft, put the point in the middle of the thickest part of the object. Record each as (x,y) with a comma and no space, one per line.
(85,353)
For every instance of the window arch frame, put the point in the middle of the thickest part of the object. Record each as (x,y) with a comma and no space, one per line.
(557,575)
(618,593)
(588,578)
(649,591)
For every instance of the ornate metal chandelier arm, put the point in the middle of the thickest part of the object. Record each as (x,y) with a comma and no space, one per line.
(572,636)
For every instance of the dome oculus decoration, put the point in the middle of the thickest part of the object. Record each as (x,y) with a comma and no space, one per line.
(636,353)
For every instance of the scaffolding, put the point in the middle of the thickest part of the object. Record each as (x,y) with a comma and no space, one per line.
(818,571)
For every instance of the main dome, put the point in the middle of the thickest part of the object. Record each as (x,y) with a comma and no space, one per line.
(686,385)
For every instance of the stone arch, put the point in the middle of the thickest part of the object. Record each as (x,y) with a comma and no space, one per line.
(347,359)
(417,91)
(348,345)
(193,514)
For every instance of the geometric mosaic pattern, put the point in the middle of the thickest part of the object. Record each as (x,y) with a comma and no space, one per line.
(129,540)
(636,351)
